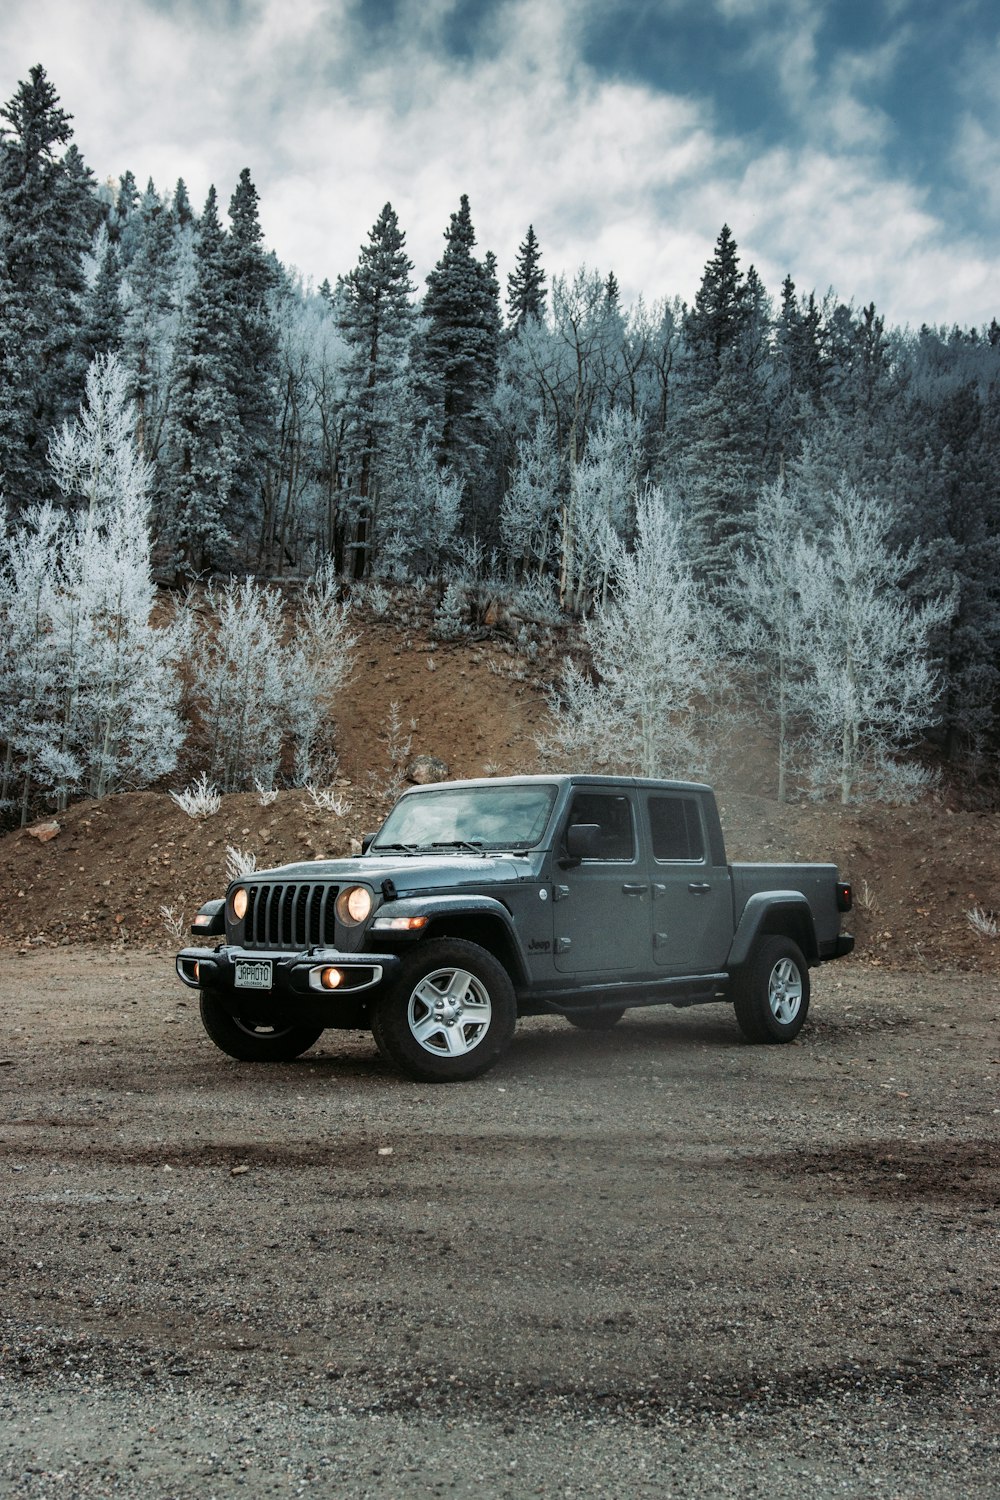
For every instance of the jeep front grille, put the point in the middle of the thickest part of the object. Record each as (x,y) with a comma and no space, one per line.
(291,915)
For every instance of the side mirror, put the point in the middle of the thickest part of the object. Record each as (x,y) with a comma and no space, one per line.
(366,842)
(581,841)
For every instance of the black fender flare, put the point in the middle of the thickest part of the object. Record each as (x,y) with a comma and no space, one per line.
(438,909)
(784,913)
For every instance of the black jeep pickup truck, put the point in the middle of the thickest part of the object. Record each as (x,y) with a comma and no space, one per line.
(481,901)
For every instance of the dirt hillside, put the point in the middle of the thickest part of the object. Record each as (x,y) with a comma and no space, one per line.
(131,869)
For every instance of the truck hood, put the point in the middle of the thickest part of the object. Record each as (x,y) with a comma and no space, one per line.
(412,873)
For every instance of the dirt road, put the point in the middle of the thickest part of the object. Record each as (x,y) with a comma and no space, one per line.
(655,1262)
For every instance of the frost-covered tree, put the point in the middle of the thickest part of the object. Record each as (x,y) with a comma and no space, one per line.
(764,597)
(240,684)
(596,511)
(869,689)
(317,662)
(91,700)
(529,511)
(652,650)
(426,518)
(256,695)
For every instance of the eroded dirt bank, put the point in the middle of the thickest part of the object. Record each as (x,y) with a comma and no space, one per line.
(658,1262)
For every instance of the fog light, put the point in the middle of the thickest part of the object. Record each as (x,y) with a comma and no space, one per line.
(196,971)
(331,979)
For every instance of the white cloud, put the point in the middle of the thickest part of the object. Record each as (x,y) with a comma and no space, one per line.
(610,173)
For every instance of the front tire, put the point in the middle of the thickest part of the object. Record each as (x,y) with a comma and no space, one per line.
(249,1041)
(772,992)
(449,1014)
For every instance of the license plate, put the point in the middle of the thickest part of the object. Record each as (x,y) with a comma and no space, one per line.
(253,974)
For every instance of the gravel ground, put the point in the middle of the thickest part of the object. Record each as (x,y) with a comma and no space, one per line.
(657,1262)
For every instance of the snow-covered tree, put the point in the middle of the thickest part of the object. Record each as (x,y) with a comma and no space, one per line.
(596,511)
(529,510)
(317,662)
(765,606)
(869,689)
(90,702)
(652,650)
(257,695)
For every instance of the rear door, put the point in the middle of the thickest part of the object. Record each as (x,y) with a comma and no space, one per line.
(601,907)
(691,898)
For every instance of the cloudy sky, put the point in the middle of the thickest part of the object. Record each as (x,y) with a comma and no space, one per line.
(854,143)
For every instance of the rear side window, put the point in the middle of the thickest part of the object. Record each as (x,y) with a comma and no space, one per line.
(675,824)
(613,816)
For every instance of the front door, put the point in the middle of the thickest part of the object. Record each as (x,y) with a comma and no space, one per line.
(601,907)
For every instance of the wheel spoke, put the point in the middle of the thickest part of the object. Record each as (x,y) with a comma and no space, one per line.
(426,1027)
(427,992)
(458,985)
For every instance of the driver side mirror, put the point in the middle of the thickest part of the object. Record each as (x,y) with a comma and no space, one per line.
(581,841)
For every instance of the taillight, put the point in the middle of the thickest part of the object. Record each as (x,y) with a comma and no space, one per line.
(845,899)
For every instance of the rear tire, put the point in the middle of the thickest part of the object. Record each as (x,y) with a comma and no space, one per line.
(771,996)
(449,1014)
(249,1041)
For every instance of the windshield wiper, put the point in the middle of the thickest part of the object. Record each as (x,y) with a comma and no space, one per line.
(475,845)
(396,848)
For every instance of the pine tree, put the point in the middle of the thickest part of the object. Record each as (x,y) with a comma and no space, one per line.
(715,326)
(102,330)
(375,316)
(526,284)
(151,294)
(460,345)
(181,205)
(716,451)
(48,212)
(253,360)
(201,440)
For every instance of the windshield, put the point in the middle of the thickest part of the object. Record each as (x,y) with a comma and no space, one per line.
(480,817)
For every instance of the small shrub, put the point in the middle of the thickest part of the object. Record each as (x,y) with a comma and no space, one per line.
(200,799)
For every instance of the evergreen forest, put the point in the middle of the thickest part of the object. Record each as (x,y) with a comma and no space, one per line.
(765,496)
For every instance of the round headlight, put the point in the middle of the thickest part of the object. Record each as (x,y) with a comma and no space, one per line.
(354,905)
(238,903)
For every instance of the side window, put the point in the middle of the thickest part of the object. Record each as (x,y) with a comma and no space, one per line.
(675,824)
(613,816)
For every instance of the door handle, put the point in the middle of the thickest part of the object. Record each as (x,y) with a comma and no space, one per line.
(634,890)
(699,887)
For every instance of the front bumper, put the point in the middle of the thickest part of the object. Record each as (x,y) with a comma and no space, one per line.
(294,976)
